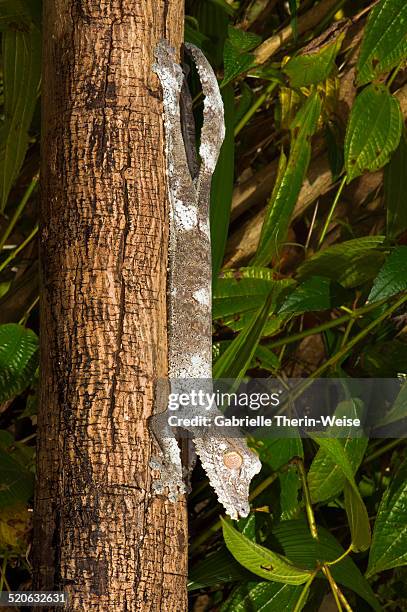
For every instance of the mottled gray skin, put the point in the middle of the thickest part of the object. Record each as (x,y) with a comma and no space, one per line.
(189,294)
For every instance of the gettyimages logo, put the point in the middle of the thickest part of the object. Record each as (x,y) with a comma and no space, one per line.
(199,398)
(267,408)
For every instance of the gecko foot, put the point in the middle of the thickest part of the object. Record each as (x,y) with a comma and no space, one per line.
(170,482)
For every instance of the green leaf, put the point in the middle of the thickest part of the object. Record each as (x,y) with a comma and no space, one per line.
(335,450)
(21,77)
(222,186)
(289,182)
(325,477)
(290,485)
(289,103)
(358,518)
(34,9)
(355,508)
(245,102)
(373,132)
(385,40)
(264,253)
(235,62)
(277,452)
(18,359)
(239,354)
(268,73)
(192,34)
(4,287)
(313,294)
(260,560)
(295,541)
(265,359)
(334,148)
(395,189)
(385,359)
(13,11)
(312,68)
(16,483)
(224,6)
(392,278)
(350,263)
(245,289)
(399,409)
(293,6)
(213,19)
(272,326)
(242,40)
(216,568)
(6,439)
(262,596)
(236,58)
(240,293)
(389,543)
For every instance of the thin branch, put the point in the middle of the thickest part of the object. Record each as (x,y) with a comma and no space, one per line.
(305,22)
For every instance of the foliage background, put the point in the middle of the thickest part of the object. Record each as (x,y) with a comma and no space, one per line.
(309,229)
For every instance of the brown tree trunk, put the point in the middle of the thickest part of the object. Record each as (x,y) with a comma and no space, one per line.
(99,534)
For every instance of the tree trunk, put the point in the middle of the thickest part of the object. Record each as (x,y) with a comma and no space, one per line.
(99,534)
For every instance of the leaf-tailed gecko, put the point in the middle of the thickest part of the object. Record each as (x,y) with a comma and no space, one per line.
(228,462)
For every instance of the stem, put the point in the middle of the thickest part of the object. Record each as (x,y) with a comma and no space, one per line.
(383,449)
(353,314)
(395,73)
(332,210)
(200,487)
(25,316)
(333,586)
(347,331)
(311,227)
(307,499)
(345,554)
(3,579)
(260,100)
(3,572)
(356,339)
(343,599)
(308,332)
(304,593)
(306,22)
(205,535)
(27,438)
(16,251)
(263,486)
(338,595)
(345,349)
(336,591)
(19,210)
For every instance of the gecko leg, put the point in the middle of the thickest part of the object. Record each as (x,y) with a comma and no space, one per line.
(169,463)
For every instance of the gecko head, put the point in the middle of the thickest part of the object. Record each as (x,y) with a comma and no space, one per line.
(230,467)
(241,466)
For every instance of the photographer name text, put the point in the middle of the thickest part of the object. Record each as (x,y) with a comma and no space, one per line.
(279,420)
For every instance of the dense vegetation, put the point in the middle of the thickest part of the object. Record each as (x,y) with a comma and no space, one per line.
(309,228)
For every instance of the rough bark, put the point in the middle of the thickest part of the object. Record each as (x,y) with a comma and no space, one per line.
(99,534)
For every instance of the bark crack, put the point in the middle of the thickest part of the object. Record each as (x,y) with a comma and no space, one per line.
(122,310)
(165,16)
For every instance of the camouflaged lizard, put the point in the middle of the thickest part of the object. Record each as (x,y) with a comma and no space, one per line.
(228,462)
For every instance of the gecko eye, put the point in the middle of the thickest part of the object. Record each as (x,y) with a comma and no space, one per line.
(232,460)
